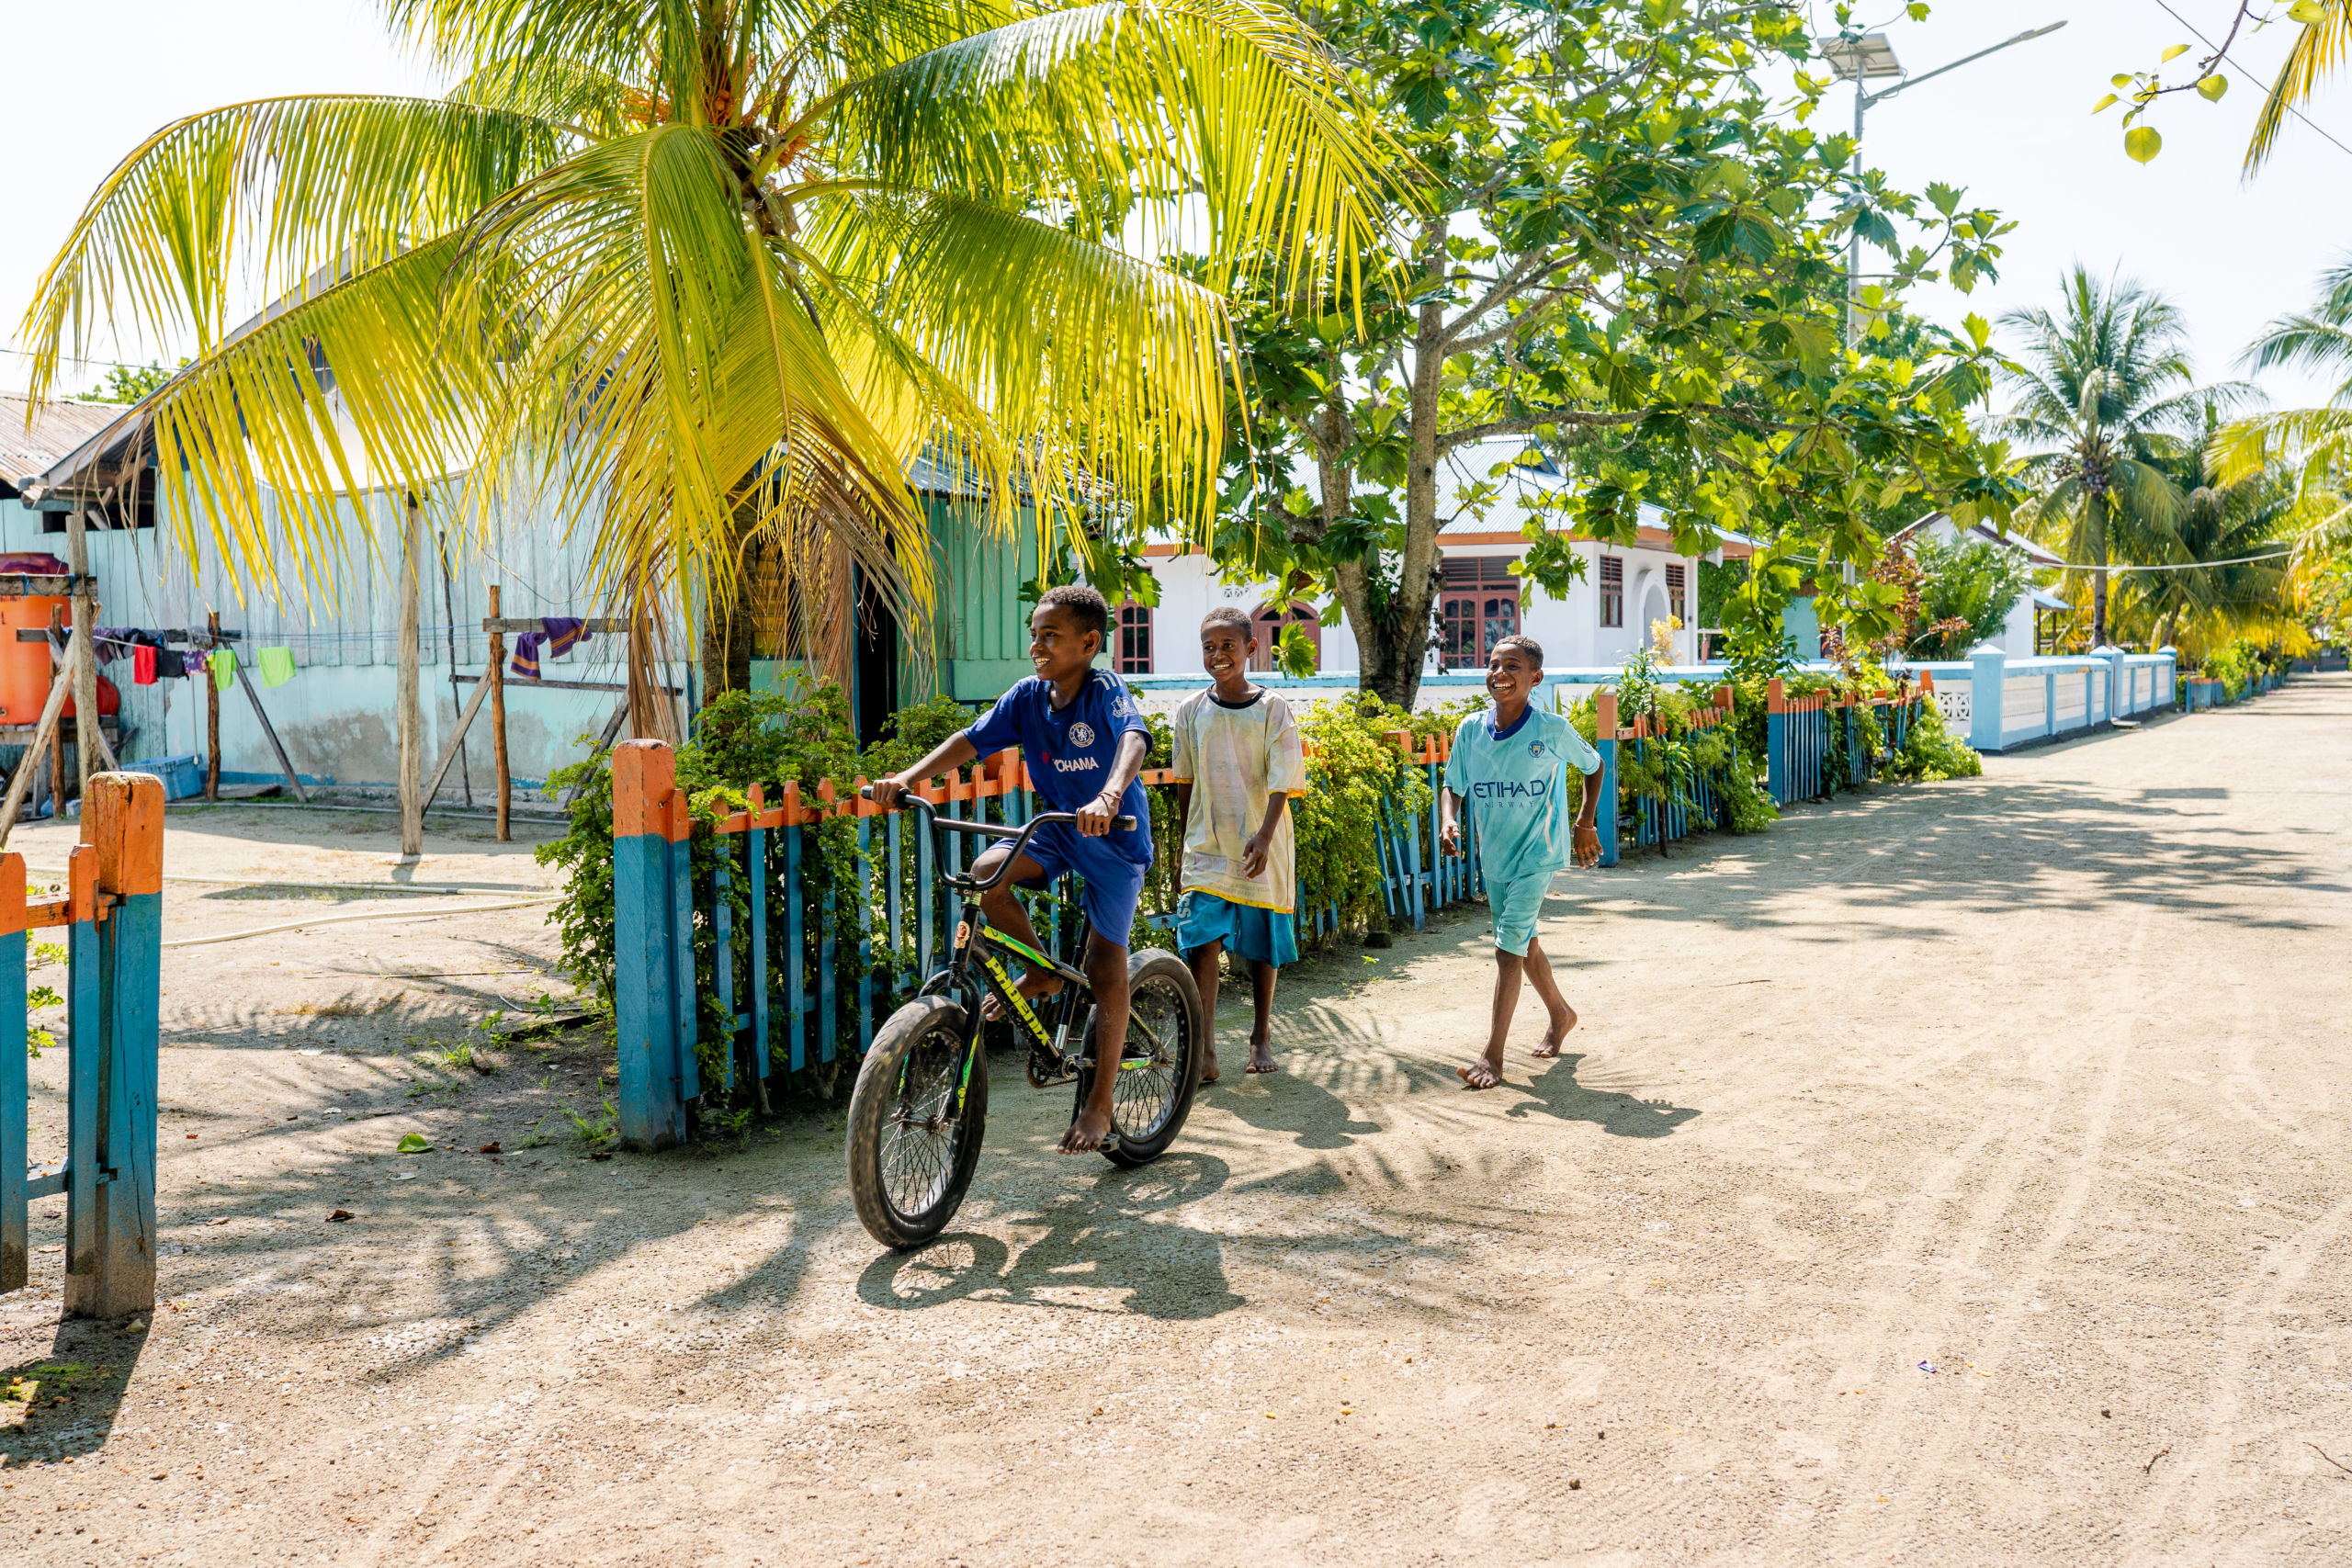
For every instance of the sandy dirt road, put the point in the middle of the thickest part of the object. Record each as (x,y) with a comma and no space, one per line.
(1955,1178)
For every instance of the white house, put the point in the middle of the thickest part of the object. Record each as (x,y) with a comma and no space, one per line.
(2017,636)
(1625,589)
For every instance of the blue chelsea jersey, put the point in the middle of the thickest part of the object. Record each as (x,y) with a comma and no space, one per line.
(1070,750)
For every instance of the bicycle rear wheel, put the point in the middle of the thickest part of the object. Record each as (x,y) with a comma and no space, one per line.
(1160,1068)
(915,1123)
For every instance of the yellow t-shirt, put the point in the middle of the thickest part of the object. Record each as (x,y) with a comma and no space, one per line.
(1234,758)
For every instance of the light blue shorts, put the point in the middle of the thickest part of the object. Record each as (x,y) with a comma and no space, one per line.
(1515,905)
(1267,936)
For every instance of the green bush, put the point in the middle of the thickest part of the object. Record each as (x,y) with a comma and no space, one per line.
(1930,751)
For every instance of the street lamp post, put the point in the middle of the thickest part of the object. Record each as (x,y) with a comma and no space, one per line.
(1863,58)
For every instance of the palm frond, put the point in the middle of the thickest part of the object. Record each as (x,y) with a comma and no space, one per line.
(285,188)
(1074,107)
(2319,50)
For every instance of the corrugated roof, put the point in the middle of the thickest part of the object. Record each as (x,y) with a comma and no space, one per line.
(57,429)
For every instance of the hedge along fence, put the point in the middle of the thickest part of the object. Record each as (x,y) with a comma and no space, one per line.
(753,950)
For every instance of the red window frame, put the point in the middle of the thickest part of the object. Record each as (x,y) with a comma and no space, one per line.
(1267,622)
(1134,626)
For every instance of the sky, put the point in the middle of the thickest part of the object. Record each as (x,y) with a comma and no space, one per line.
(2014,129)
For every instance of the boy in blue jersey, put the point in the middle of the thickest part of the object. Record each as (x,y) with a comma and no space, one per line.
(1084,743)
(1511,763)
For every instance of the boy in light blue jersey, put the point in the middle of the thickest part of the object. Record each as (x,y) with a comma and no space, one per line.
(1512,765)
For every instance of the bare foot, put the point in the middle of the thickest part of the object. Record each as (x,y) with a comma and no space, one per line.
(1480,1074)
(1033,987)
(1086,1133)
(1562,1021)
(1210,1071)
(1261,1057)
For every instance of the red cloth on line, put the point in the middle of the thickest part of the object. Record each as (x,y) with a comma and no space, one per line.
(143,665)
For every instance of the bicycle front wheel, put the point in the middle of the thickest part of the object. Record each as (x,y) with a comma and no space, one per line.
(915,1123)
(1160,1068)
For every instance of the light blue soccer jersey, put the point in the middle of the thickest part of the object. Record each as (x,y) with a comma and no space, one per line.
(1517,787)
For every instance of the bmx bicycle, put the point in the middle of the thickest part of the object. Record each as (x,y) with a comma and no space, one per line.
(922,1102)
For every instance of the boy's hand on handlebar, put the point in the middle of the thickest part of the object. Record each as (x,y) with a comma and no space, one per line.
(1094,817)
(884,792)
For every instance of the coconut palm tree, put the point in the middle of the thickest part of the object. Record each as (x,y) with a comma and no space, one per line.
(2224,593)
(2105,398)
(2313,444)
(711,273)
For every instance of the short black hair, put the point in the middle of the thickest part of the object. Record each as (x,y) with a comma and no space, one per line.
(1228,615)
(1518,643)
(1083,605)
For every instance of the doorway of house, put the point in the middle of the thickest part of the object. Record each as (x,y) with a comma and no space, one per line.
(874,678)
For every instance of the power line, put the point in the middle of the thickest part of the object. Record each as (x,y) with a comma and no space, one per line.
(2180,566)
(2166,6)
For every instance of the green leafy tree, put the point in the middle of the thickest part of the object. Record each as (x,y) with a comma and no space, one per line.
(1966,592)
(1624,254)
(2105,399)
(127,383)
(710,274)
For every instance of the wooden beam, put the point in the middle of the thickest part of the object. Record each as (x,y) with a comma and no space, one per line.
(456,741)
(211,709)
(412,721)
(607,625)
(44,739)
(269,731)
(498,714)
(86,622)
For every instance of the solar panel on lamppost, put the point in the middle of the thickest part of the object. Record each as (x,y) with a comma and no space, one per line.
(1862,58)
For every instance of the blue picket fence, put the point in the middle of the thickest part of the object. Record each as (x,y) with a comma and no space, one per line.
(791,983)
(111,919)
(2197,693)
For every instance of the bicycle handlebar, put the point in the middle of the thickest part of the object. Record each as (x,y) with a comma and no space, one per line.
(1019,837)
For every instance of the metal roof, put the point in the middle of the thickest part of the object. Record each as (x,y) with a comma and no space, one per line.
(56,429)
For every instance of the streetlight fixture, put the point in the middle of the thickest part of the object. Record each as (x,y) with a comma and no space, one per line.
(1864,58)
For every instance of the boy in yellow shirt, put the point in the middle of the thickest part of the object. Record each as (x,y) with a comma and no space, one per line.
(1238,760)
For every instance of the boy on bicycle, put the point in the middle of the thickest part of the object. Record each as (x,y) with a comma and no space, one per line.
(1513,762)
(1238,762)
(1084,741)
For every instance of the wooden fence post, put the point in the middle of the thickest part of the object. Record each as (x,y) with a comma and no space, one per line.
(646,830)
(211,709)
(497,670)
(1605,740)
(1777,782)
(115,1024)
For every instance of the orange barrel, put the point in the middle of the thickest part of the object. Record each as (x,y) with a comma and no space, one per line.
(25,669)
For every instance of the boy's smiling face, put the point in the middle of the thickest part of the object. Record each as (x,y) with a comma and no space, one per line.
(1225,652)
(1058,649)
(1511,675)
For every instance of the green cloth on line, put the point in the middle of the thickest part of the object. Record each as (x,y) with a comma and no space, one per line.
(277,666)
(225,669)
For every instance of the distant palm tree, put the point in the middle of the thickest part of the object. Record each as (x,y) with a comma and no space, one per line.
(2106,400)
(2219,524)
(2314,445)
(713,272)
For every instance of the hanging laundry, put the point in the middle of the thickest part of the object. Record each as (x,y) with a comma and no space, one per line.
(277,666)
(225,669)
(143,665)
(116,642)
(557,636)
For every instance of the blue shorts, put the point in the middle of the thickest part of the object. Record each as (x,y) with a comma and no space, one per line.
(1515,905)
(1264,936)
(1113,882)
